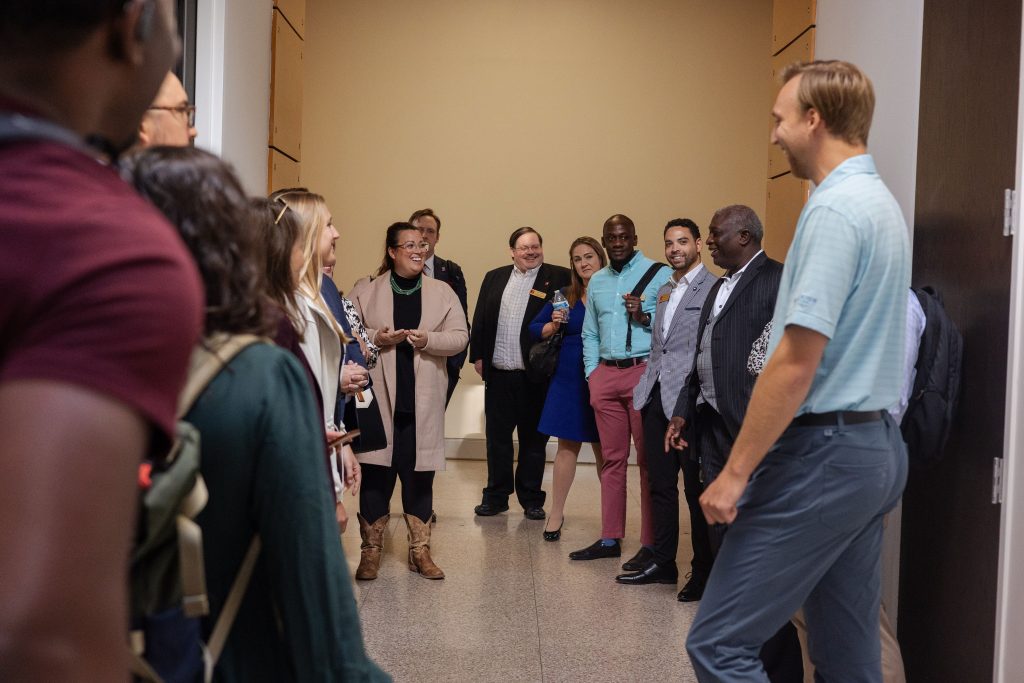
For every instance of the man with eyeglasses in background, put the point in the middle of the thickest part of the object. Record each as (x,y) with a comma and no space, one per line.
(171,119)
(510,297)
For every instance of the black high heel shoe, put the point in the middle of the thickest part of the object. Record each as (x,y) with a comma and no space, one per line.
(556,534)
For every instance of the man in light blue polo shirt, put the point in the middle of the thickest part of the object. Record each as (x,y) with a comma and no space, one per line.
(616,344)
(819,460)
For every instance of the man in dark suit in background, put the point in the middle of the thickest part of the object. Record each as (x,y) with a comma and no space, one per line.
(499,345)
(447,271)
(715,397)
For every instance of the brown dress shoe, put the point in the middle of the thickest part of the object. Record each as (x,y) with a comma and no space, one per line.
(419,549)
(371,548)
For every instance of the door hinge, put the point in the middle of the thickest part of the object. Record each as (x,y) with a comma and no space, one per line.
(1009,211)
(997,481)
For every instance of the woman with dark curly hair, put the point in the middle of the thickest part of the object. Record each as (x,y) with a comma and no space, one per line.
(262,449)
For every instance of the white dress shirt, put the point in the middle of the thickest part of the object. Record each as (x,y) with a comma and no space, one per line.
(508,354)
(679,288)
(728,284)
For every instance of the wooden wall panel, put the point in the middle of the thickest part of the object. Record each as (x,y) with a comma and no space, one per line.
(295,12)
(800,51)
(787,195)
(790,18)
(283,172)
(286,89)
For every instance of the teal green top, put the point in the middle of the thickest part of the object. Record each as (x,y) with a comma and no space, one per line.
(604,328)
(263,464)
(846,277)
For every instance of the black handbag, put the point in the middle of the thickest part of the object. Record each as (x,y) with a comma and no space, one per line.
(543,357)
(372,436)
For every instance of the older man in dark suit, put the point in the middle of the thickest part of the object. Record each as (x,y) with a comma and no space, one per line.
(510,297)
(715,397)
(447,271)
(674,340)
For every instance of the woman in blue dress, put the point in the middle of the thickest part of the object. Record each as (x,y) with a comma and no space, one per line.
(567,413)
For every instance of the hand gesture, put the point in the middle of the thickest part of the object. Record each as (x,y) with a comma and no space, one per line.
(353,472)
(634,306)
(559,316)
(719,499)
(674,434)
(353,378)
(418,338)
(385,337)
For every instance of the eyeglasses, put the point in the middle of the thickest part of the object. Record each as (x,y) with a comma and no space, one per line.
(413,246)
(528,247)
(189,110)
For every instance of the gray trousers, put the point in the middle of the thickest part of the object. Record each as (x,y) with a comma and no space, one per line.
(808,534)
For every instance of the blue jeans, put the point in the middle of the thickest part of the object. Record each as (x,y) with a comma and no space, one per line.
(808,533)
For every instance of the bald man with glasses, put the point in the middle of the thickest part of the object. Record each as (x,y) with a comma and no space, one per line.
(171,119)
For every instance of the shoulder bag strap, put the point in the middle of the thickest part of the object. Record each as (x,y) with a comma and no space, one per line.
(226,618)
(637,291)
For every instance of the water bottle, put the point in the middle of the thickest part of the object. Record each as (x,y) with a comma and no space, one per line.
(559,303)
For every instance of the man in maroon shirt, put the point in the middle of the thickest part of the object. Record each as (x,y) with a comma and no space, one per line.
(99,308)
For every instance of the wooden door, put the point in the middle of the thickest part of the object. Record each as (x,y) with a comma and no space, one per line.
(966,159)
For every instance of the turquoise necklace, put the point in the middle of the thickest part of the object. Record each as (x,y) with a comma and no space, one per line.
(406,292)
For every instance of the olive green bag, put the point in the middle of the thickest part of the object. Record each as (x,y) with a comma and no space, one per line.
(168,582)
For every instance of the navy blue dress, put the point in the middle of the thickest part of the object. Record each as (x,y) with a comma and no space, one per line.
(567,413)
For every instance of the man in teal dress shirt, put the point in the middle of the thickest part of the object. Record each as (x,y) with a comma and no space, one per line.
(616,344)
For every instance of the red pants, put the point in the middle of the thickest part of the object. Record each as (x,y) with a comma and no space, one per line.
(611,395)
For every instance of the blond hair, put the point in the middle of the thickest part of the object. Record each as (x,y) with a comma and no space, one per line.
(839,92)
(311,210)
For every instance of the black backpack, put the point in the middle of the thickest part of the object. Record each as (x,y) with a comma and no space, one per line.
(932,404)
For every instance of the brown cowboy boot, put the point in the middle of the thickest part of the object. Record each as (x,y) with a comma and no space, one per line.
(419,549)
(373,545)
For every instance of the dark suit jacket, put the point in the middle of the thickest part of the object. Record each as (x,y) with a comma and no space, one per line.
(451,272)
(741,322)
(485,317)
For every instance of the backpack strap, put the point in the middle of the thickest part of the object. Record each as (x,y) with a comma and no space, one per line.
(637,291)
(208,359)
(226,618)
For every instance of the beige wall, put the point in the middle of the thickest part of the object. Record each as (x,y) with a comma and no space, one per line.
(550,113)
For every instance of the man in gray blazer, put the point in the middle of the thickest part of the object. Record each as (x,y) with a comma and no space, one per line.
(674,340)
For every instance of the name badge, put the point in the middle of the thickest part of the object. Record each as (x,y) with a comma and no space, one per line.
(539,294)
(664,298)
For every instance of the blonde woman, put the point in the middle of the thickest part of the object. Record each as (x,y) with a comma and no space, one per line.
(418,322)
(323,341)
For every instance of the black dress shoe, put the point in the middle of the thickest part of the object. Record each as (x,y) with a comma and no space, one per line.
(638,562)
(556,534)
(534,513)
(693,590)
(489,509)
(652,573)
(597,551)
(433,517)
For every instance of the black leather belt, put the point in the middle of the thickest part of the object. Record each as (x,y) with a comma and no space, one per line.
(624,362)
(849,417)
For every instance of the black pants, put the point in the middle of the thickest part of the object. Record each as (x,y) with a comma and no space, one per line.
(512,402)
(379,481)
(781,654)
(663,474)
